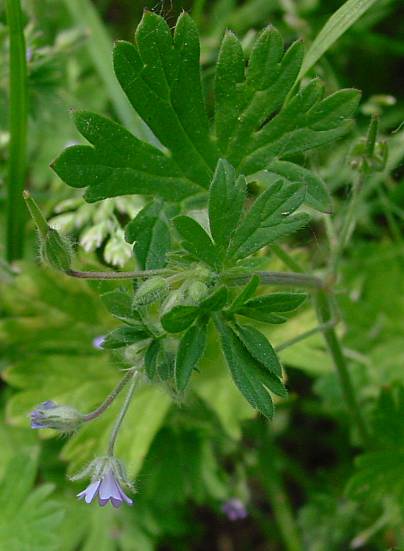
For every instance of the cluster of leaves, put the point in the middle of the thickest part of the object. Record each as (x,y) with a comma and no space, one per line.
(260,124)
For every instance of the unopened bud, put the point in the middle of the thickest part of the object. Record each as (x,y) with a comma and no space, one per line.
(50,415)
(150,291)
(56,250)
(195,292)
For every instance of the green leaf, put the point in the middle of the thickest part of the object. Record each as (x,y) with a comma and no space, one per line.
(259,347)
(190,351)
(340,21)
(379,472)
(179,318)
(268,307)
(269,219)
(150,359)
(30,519)
(305,123)
(226,200)
(247,292)
(245,99)
(195,240)
(253,380)
(161,77)
(216,301)
(118,164)
(152,235)
(119,303)
(317,195)
(123,336)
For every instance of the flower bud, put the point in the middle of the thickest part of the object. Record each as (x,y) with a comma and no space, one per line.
(56,250)
(50,415)
(151,291)
(195,292)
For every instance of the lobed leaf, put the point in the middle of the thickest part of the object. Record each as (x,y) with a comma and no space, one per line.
(269,219)
(227,195)
(195,240)
(151,234)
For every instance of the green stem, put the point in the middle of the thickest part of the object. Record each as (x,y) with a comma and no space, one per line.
(122,413)
(197,10)
(108,401)
(324,307)
(286,258)
(272,482)
(117,275)
(18,109)
(319,329)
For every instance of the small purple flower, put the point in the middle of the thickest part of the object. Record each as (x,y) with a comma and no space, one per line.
(98,342)
(235,509)
(38,416)
(108,489)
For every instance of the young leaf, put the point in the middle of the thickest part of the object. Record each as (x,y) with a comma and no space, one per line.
(123,336)
(305,123)
(253,380)
(195,240)
(190,351)
(118,164)
(119,303)
(226,200)
(317,195)
(244,102)
(245,294)
(150,359)
(151,232)
(268,307)
(269,219)
(179,318)
(260,348)
(161,77)
(216,301)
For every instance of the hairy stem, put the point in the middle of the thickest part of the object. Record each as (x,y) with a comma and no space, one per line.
(108,401)
(18,109)
(324,308)
(117,275)
(123,412)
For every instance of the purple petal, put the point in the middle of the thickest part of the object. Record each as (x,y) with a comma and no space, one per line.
(89,493)
(109,487)
(36,425)
(98,342)
(125,497)
(49,404)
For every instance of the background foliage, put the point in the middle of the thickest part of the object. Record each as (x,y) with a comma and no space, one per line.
(190,458)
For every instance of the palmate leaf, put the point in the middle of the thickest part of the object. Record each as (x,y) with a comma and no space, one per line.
(253,128)
(29,518)
(379,472)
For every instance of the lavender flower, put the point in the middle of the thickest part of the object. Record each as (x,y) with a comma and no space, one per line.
(235,509)
(98,342)
(108,476)
(50,415)
(108,489)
